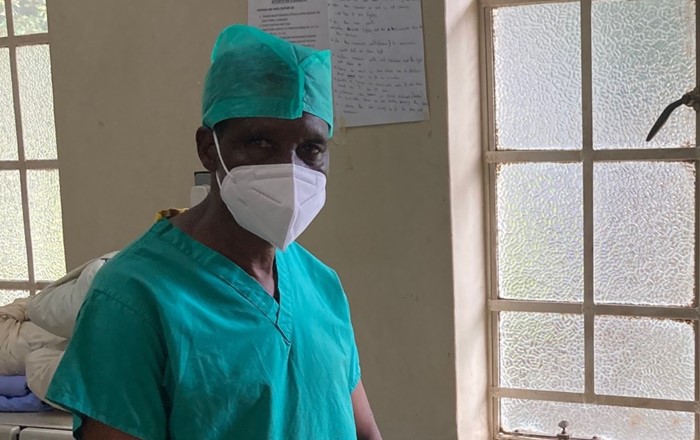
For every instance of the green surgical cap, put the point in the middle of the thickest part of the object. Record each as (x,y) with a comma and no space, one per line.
(255,74)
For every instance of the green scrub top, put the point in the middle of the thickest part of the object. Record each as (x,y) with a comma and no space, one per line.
(174,341)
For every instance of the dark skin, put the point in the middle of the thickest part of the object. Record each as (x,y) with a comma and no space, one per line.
(251,141)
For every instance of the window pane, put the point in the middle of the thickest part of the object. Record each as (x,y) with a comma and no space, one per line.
(542,351)
(7,296)
(644,358)
(537,71)
(3,21)
(8,129)
(607,422)
(540,231)
(36,101)
(29,16)
(644,219)
(46,224)
(643,59)
(13,249)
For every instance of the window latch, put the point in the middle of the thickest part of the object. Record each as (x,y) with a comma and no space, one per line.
(691,99)
(563,435)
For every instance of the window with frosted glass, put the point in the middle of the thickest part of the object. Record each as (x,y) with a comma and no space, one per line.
(29,16)
(538,77)
(3,21)
(644,226)
(8,129)
(605,422)
(540,231)
(593,231)
(31,228)
(643,58)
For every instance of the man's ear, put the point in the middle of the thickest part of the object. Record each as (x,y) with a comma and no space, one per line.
(206,148)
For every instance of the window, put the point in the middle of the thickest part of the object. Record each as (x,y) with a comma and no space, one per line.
(593,232)
(31,231)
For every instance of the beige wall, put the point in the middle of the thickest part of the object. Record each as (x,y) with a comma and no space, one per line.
(467,208)
(127,80)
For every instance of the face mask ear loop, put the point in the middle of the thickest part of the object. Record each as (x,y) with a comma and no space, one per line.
(221,159)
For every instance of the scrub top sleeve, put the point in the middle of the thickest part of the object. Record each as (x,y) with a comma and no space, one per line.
(112,371)
(355,370)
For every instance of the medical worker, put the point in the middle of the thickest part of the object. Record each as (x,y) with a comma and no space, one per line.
(215,324)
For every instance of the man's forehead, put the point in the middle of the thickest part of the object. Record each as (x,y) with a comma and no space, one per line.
(308,125)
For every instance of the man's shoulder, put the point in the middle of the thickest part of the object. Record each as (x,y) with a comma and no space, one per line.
(307,266)
(135,268)
(299,255)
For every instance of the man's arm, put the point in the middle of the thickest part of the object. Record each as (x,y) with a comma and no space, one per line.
(94,430)
(365,424)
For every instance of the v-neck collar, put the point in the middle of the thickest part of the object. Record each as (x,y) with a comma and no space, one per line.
(279,313)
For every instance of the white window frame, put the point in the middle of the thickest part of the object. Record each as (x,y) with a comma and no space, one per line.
(587,156)
(12,42)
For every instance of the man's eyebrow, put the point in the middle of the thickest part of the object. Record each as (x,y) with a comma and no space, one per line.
(317,139)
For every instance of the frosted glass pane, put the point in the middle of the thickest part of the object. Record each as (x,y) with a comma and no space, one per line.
(540,231)
(643,59)
(542,351)
(644,219)
(13,249)
(8,296)
(3,21)
(46,224)
(607,422)
(29,16)
(36,102)
(8,130)
(644,358)
(537,70)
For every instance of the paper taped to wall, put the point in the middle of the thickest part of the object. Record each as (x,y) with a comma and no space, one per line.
(302,22)
(378,52)
(378,61)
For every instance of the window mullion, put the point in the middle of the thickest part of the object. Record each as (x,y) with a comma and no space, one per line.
(531,156)
(587,152)
(578,398)
(24,40)
(697,232)
(501,3)
(489,144)
(48,164)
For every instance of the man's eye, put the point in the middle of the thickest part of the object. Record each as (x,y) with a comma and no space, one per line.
(258,143)
(312,150)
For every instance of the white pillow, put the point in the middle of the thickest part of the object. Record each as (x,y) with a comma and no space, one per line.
(56,308)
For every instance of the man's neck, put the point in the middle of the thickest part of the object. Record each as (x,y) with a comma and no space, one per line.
(212,224)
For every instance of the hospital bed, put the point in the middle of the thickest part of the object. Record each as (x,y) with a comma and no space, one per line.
(57,425)
(53,425)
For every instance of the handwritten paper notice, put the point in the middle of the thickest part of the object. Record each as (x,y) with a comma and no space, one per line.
(378,61)
(303,22)
(378,53)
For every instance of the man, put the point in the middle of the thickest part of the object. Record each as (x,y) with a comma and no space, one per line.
(215,325)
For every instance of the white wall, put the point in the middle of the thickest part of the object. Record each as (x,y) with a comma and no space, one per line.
(127,80)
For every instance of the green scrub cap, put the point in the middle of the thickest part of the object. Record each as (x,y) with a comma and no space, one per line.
(255,74)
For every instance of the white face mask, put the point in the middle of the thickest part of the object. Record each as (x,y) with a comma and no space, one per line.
(275,202)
